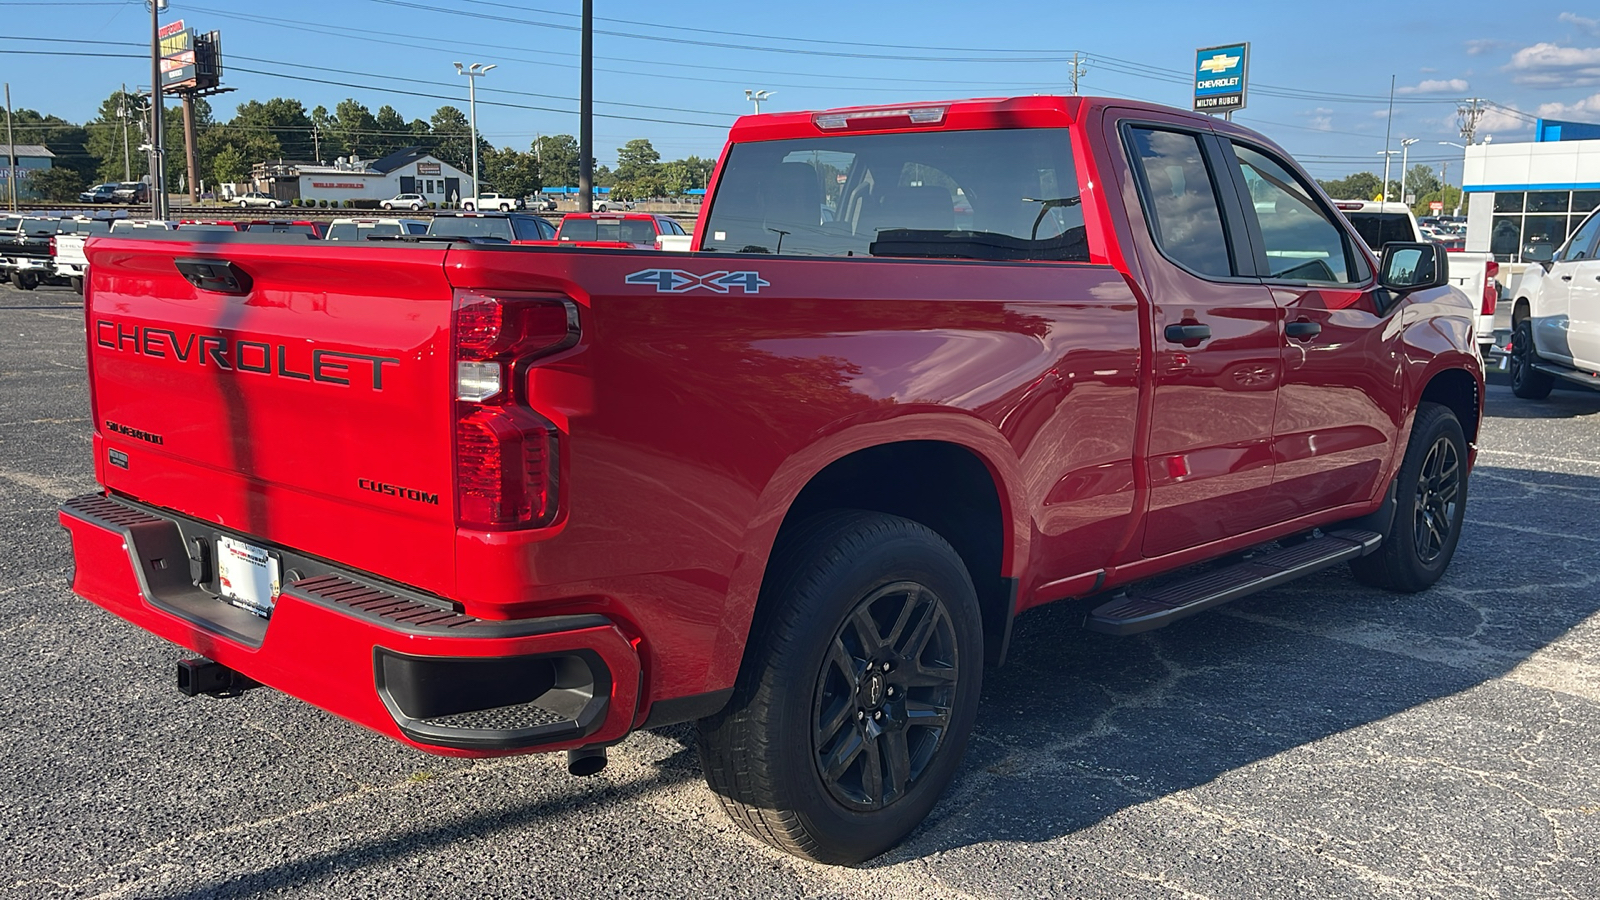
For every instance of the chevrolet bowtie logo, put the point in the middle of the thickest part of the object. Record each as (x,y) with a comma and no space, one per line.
(1218,64)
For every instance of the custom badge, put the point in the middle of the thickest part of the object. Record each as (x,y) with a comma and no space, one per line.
(678,281)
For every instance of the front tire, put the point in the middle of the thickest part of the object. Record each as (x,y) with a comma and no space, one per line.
(1431,489)
(857,693)
(1526,381)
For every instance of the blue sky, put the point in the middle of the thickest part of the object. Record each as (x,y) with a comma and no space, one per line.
(676,72)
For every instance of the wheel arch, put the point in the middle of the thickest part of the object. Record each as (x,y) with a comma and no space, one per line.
(885,467)
(1457,390)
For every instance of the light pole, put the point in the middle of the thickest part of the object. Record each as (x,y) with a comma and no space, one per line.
(1405,149)
(757,97)
(158,164)
(1461,197)
(1383,195)
(473,73)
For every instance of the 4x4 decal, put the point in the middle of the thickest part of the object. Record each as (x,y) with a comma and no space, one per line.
(677,281)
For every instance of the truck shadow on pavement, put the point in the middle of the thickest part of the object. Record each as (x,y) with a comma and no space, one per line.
(1078,726)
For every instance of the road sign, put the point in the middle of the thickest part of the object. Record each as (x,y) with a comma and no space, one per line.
(1436,206)
(1220,75)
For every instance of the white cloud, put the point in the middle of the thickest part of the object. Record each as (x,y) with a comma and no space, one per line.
(1502,121)
(1587,108)
(1484,45)
(1435,86)
(1549,65)
(1592,26)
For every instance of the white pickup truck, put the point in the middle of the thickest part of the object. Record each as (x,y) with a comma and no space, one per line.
(1475,274)
(488,200)
(67,254)
(1555,319)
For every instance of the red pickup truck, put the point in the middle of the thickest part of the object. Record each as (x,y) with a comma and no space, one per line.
(929,366)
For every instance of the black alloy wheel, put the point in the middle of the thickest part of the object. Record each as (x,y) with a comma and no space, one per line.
(1526,381)
(884,696)
(1438,490)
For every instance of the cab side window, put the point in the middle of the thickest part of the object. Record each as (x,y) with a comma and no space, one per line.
(1301,242)
(1582,245)
(1180,200)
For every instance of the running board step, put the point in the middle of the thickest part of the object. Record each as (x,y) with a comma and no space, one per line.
(1135,612)
(1573,375)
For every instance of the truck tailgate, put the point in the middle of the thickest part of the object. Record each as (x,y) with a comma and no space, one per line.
(306,404)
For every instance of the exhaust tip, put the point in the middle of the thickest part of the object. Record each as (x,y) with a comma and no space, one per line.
(586,761)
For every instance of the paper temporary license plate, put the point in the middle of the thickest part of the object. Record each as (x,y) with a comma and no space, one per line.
(247,575)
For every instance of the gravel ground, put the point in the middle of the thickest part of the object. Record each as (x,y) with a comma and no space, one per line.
(1317,740)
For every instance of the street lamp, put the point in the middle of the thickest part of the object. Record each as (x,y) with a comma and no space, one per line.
(473,73)
(1383,195)
(1405,149)
(1461,197)
(757,97)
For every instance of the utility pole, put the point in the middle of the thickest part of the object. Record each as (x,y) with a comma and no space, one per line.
(316,143)
(1079,69)
(122,113)
(586,113)
(189,148)
(1469,114)
(11,153)
(158,166)
(1405,150)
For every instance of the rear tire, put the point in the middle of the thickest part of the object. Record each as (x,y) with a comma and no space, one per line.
(23,282)
(77,283)
(1526,381)
(857,693)
(1431,492)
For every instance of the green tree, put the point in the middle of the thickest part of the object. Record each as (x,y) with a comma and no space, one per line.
(354,126)
(326,144)
(105,139)
(683,175)
(452,137)
(56,183)
(279,124)
(510,172)
(557,156)
(1421,180)
(393,133)
(1358,186)
(1449,196)
(639,173)
(229,166)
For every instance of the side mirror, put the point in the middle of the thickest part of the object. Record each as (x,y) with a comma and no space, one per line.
(1540,252)
(1410,267)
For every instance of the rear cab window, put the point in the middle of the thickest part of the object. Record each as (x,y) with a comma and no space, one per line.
(987,195)
(1379,228)
(471,226)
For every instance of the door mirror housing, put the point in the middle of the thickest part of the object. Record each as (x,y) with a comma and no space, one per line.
(1539,252)
(1410,267)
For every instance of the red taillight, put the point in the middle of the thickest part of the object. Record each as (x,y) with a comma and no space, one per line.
(1491,287)
(505,468)
(52,245)
(507,459)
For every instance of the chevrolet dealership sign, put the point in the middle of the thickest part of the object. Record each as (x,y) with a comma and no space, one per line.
(1219,78)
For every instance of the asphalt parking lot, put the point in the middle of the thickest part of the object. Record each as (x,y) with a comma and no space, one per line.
(1318,740)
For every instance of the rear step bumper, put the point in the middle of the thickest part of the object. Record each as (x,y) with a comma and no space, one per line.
(400,663)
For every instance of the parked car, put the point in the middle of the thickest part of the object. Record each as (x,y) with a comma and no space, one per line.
(26,251)
(489,200)
(405,201)
(541,204)
(131,192)
(637,230)
(513,228)
(365,229)
(1476,274)
(795,487)
(257,198)
(1555,322)
(100,193)
(71,265)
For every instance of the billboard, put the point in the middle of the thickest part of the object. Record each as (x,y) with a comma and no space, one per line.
(178,70)
(1220,75)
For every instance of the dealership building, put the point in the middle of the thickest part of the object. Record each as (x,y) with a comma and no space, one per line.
(409,171)
(1531,192)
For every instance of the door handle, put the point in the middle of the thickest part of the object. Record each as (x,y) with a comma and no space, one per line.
(1184,334)
(1302,330)
(1566,278)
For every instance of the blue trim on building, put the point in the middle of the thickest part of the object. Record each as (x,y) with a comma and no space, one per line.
(1555,186)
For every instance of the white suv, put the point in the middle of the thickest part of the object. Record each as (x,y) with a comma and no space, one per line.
(406,201)
(1555,325)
